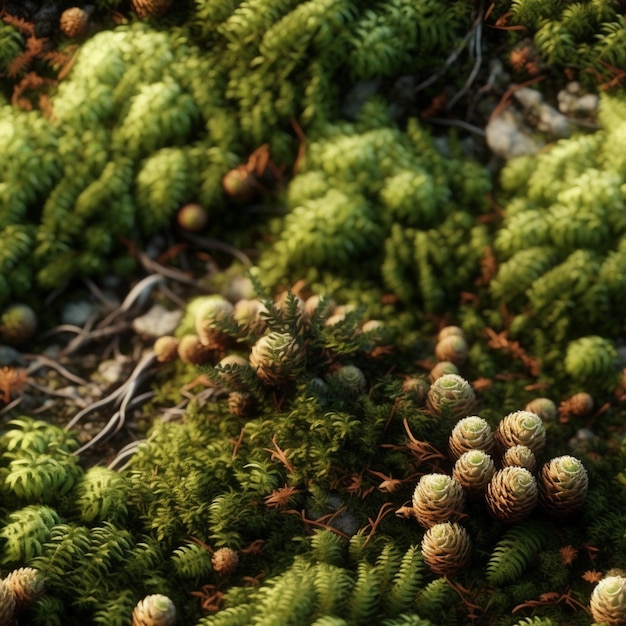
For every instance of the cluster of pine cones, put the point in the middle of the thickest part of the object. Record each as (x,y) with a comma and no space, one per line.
(499,467)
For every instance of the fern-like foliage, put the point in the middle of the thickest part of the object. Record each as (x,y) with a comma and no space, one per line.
(514,552)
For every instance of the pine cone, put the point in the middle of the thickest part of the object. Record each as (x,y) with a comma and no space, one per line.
(441,369)
(451,348)
(351,380)
(210,312)
(225,368)
(563,484)
(154,610)
(520,456)
(451,396)
(446,548)
(18,324)
(166,349)
(276,357)
(7,604)
(608,601)
(247,314)
(474,470)
(544,408)
(471,433)
(192,350)
(27,585)
(225,561)
(150,8)
(74,22)
(512,494)
(415,390)
(450,331)
(438,498)
(239,403)
(521,428)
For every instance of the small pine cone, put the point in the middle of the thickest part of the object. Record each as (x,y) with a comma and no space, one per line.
(520,456)
(209,314)
(166,349)
(154,610)
(563,484)
(446,548)
(473,470)
(512,494)
(7,604)
(608,601)
(226,370)
(471,433)
(225,561)
(27,585)
(350,380)
(441,369)
(438,498)
(450,331)
(192,350)
(239,403)
(521,428)
(451,396)
(544,408)
(18,324)
(150,8)
(276,357)
(451,348)
(192,217)
(415,390)
(579,405)
(248,314)
(74,22)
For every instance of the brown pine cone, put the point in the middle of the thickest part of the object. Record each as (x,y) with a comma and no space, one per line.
(239,403)
(544,408)
(451,348)
(563,484)
(225,561)
(27,585)
(276,357)
(520,456)
(450,331)
(512,494)
(154,610)
(248,314)
(474,470)
(438,498)
(7,604)
(74,22)
(608,601)
(451,396)
(209,312)
(521,428)
(441,369)
(192,350)
(415,389)
(446,548)
(471,433)
(150,8)
(166,349)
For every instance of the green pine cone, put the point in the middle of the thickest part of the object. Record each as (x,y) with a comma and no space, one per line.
(451,396)
(608,601)
(446,548)
(438,498)
(563,484)
(512,494)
